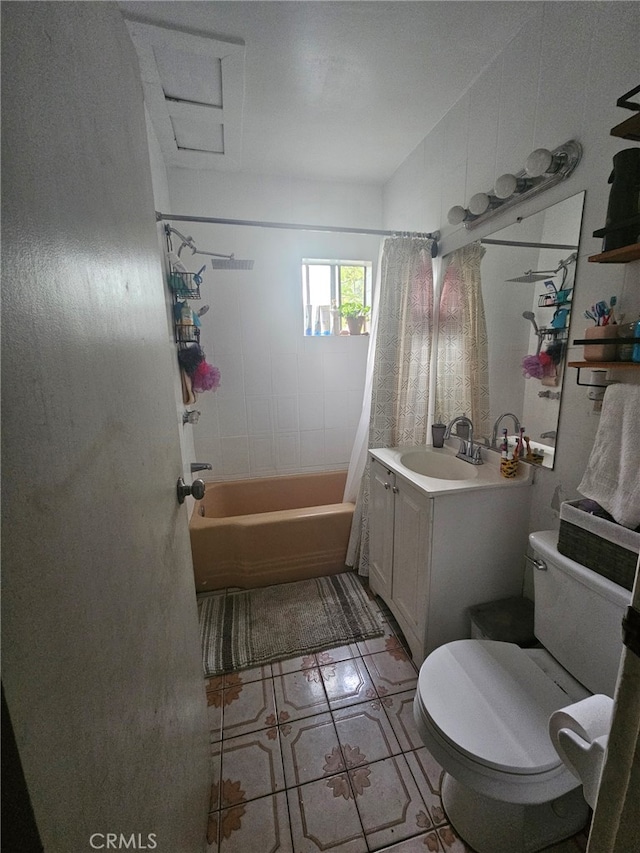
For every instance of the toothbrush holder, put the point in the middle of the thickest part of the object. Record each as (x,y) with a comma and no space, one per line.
(600,350)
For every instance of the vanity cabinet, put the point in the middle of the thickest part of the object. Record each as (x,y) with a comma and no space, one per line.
(431,558)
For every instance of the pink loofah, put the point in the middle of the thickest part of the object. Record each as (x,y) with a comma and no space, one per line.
(205,377)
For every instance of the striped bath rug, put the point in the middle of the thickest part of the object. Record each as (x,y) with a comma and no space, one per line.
(258,626)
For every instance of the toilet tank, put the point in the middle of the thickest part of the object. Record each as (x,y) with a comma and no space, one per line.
(578,615)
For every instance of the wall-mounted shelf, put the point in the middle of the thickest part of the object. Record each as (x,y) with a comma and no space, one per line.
(630,128)
(606,365)
(601,365)
(617,256)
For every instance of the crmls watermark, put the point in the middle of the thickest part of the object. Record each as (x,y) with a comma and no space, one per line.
(120,841)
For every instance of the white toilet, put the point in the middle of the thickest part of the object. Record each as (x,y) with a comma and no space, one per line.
(482,708)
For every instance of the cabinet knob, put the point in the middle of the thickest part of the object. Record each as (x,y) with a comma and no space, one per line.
(386,485)
(395,490)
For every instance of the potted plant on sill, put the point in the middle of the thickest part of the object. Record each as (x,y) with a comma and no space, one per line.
(355,313)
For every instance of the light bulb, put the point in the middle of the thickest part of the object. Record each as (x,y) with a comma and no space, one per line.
(480,203)
(457,215)
(507,185)
(542,162)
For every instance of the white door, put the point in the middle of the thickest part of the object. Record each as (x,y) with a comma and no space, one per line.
(101,665)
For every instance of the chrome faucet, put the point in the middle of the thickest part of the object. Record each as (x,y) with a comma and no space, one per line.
(467,452)
(200,466)
(494,434)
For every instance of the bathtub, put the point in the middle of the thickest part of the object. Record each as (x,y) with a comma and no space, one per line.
(249,533)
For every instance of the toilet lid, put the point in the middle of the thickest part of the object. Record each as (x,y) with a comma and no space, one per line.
(492,703)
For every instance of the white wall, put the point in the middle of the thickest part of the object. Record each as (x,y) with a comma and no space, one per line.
(558,79)
(286,403)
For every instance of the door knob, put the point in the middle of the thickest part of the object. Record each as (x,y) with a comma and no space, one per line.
(196,490)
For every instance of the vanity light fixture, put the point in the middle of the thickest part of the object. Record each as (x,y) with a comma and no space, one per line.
(542,170)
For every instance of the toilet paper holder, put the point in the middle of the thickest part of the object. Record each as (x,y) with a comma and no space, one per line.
(580,734)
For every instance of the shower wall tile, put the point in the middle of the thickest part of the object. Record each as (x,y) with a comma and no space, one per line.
(231,374)
(234,456)
(257,373)
(335,409)
(288,450)
(262,455)
(312,448)
(337,446)
(259,415)
(310,372)
(286,414)
(284,374)
(232,416)
(310,411)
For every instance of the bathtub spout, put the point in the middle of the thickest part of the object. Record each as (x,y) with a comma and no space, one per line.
(200,466)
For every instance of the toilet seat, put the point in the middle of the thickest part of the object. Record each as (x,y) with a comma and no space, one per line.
(486,704)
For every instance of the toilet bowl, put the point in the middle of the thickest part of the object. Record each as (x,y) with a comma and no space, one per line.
(482,708)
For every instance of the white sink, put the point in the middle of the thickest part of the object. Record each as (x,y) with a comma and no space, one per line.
(440,466)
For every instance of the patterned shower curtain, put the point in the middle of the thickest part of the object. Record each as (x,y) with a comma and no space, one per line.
(401,361)
(462,380)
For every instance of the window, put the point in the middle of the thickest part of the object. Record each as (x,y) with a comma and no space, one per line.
(333,290)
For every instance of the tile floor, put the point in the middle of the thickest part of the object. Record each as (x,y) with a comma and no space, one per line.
(320,753)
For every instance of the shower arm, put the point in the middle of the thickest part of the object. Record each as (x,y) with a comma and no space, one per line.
(187,242)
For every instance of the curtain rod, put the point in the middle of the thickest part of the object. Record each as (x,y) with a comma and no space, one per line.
(296,227)
(527,245)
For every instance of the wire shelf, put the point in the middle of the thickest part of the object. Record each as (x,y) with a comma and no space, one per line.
(187,334)
(185,284)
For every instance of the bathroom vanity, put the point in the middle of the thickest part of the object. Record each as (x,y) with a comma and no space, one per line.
(444,540)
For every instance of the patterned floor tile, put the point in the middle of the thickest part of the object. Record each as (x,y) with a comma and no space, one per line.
(283,667)
(216,767)
(391,671)
(310,749)
(329,656)
(347,682)
(215,701)
(256,827)
(427,773)
(365,734)
(248,707)
(399,709)
(384,643)
(251,764)
(324,817)
(390,806)
(300,694)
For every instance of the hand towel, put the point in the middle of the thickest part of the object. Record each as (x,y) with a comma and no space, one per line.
(612,477)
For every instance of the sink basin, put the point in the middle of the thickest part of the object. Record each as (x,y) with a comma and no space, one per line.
(438,465)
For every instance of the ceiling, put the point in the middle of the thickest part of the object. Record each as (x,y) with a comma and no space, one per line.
(317,90)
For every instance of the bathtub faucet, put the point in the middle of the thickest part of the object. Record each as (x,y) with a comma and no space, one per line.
(200,466)
(467,451)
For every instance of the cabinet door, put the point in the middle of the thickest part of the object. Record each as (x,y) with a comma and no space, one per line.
(412,534)
(381,529)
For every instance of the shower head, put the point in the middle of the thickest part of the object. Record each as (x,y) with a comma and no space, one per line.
(231,263)
(529,315)
(533,275)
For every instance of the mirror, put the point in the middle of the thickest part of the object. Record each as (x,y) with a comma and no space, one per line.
(528,276)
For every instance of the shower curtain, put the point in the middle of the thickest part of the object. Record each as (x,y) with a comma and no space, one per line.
(462,381)
(395,407)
